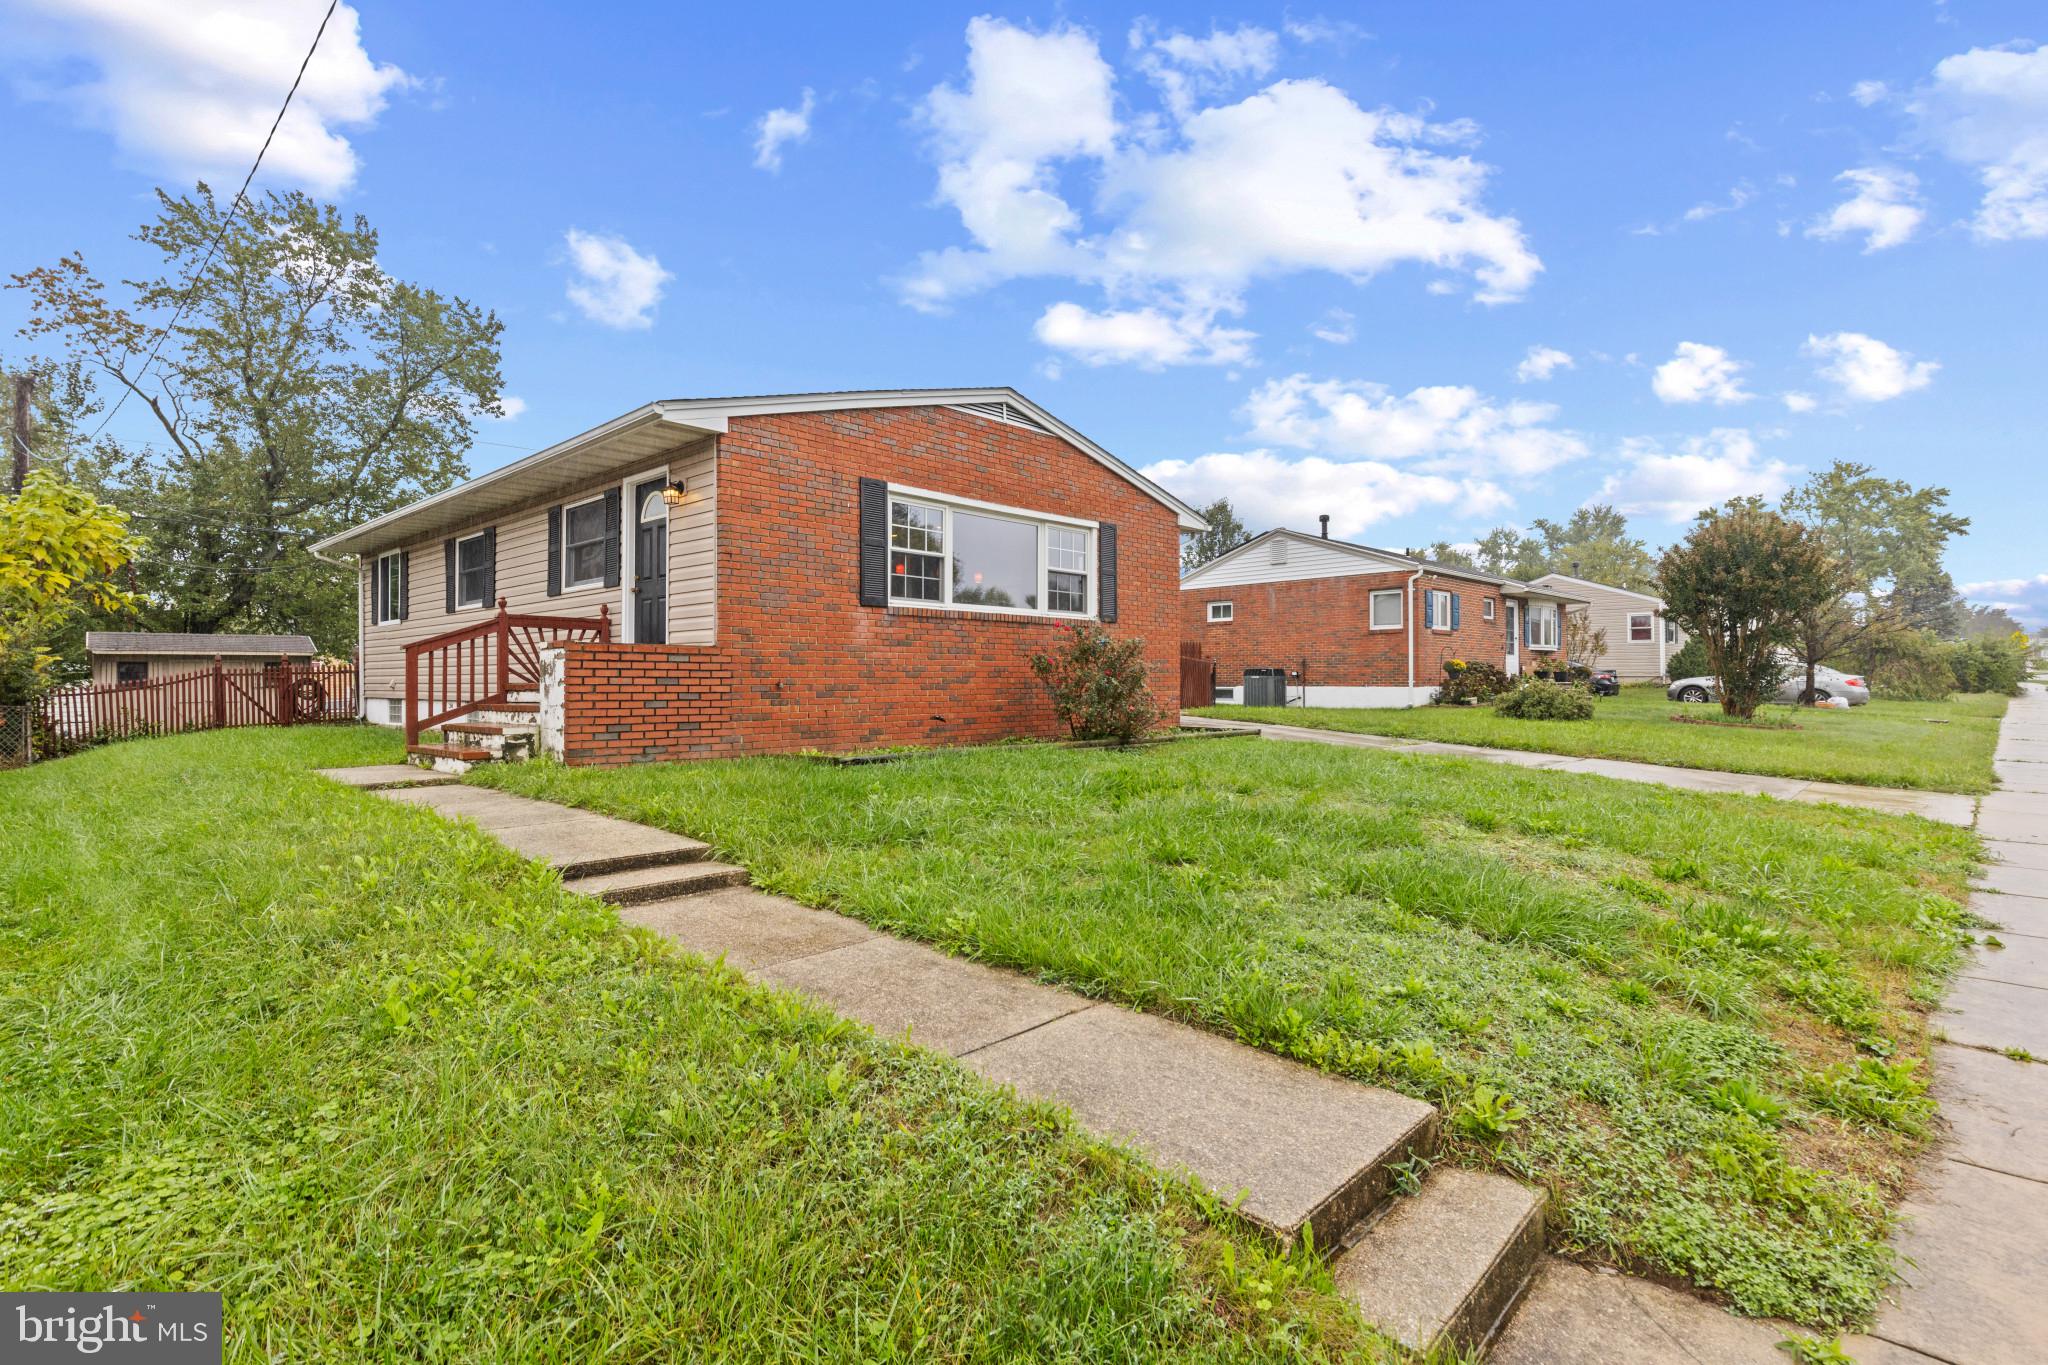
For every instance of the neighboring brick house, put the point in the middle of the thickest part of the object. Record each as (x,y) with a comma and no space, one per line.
(779,573)
(1350,625)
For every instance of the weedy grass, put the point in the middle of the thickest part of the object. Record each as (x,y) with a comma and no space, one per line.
(398,1096)
(1884,744)
(1658,1004)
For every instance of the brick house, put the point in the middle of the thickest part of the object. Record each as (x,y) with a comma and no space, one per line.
(1350,625)
(767,574)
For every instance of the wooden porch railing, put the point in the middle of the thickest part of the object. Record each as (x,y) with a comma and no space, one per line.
(479,665)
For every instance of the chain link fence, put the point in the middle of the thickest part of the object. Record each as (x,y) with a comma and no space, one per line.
(17,736)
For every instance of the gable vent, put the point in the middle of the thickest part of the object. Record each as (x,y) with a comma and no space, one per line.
(1278,551)
(1004,411)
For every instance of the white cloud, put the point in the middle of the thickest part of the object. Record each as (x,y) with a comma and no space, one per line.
(1988,108)
(1542,362)
(1444,428)
(611,283)
(2025,598)
(778,128)
(1699,373)
(1738,196)
(1800,402)
(1338,327)
(1867,93)
(190,91)
(1184,67)
(1885,208)
(510,408)
(1866,369)
(1272,490)
(1144,337)
(1185,215)
(1676,483)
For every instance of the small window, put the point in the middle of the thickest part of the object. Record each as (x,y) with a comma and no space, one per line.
(652,508)
(1543,627)
(472,571)
(1437,610)
(917,552)
(1486,607)
(1222,611)
(1066,570)
(1640,628)
(583,544)
(1670,631)
(131,671)
(1386,609)
(388,588)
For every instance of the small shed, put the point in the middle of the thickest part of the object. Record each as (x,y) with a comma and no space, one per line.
(133,656)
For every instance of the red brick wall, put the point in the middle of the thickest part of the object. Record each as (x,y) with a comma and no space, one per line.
(645,703)
(814,668)
(1326,623)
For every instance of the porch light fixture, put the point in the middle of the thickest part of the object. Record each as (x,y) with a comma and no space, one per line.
(675,493)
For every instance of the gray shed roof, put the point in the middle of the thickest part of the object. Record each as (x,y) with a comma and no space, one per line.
(172,642)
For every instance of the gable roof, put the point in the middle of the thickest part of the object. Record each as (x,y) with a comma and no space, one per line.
(661,426)
(173,642)
(1604,587)
(1392,559)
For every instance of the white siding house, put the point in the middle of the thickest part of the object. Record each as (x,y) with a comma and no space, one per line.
(1640,638)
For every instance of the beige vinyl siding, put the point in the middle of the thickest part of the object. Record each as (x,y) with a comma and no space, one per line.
(522,573)
(170,665)
(1610,609)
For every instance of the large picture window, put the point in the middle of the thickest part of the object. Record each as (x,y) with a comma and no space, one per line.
(987,558)
(583,544)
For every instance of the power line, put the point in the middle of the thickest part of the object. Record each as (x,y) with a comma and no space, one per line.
(225,224)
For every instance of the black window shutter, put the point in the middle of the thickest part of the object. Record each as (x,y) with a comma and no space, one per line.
(555,551)
(490,566)
(1105,590)
(874,543)
(404,583)
(448,570)
(611,538)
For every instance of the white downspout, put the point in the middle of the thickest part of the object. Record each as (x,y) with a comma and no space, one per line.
(1413,579)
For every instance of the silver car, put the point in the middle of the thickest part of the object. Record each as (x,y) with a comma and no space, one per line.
(1827,683)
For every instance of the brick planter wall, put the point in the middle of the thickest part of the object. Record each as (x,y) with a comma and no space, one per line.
(645,704)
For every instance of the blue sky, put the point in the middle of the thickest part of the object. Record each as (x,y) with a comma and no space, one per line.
(1426,268)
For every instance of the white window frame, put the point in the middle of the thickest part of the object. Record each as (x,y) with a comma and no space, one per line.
(1220,612)
(1649,620)
(1486,608)
(1400,608)
(460,604)
(385,584)
(1544,625)
(572,584)
(946,504)
(1438,610)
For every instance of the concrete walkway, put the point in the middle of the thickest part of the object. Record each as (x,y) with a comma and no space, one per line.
(1947,807)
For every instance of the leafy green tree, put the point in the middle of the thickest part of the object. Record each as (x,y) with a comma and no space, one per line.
(1739,584)
(1890,538)
(1225,532)
(1592,543)
(1444,553)
(300,391)
(60,550)
(1990,623)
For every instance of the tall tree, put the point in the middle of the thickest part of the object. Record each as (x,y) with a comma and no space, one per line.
(1890,539)
(1991,623)
(301,390)
(1592,543)
(1739,584)
(1225,532)
(1444,553)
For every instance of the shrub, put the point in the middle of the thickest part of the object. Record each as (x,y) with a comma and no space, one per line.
(1912,665)
(1464,680)
(1990,665)
(1689,662)
(1536,699)
(1100,686)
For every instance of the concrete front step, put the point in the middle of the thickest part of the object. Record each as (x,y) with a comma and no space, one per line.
(387,776)
(1444,1266)
(640,884)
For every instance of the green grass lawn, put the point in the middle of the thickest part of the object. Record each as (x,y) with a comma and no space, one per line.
(1712,1010)
(1938,746)
(398,1096)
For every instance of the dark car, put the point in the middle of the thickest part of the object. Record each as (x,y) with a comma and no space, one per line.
(1605,682)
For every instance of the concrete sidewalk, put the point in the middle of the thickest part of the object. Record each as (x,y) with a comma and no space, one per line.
(1947,807)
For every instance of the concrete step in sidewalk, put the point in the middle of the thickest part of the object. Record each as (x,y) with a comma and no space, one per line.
(386,776)
(637,885)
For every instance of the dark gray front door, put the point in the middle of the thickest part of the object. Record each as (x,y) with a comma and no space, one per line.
(650,564)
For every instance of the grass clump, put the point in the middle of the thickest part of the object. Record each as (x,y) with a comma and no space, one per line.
(399,1096)
(1613,989)
(1884,744)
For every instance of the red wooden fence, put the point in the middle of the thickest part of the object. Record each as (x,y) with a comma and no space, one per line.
(1197,676)
(469,668)
(283,693)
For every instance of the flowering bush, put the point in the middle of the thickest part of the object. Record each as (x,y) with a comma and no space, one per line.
(1464,680)
(1100,686)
